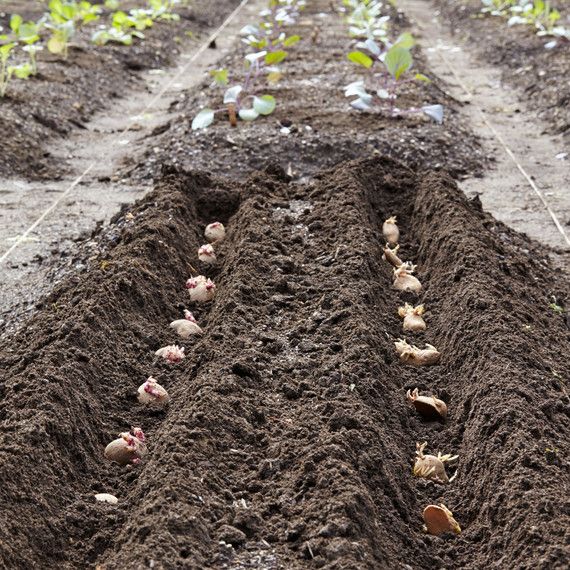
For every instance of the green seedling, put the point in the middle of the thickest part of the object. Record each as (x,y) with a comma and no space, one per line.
(5,74)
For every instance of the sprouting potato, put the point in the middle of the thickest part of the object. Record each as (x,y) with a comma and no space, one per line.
(413,320)
(432,467)
(391,256)
(215,232)
(171,353)
(201,289)
(129,448)
(404,280)
(411,354)
(439,519)
(151,392)
(429,407)
(391,231)
(186,326)
(206,253)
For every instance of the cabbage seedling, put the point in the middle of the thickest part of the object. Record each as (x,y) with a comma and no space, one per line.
(215,232)
(151,392)
(391,231)
(439,519)
(395,63)
(404,280)
(391,256)
(432,467)
(129,448)
(413,320)
(187,326)
(410,354)
(206,254)
(171,353)
(201,289)
(5,73)
(430,407)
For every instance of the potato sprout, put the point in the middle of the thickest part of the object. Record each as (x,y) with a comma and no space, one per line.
(429,407)
(432,467)
(411,354)
(391,231)
(129,448)
(391,256)
(151,392)
(206,253)
(200,289)
(413,320)
(187,326)
(171,353)
(439,519)
(215,232)
(404,280)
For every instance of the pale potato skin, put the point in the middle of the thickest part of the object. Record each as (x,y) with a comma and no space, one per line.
(407,282)
(119,452)
(390,231)
(431,461)
(414,323)
(145,397)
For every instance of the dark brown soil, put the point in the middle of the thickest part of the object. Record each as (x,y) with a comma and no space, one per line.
(288,436)
(65,93)
(540,74)
(324,129)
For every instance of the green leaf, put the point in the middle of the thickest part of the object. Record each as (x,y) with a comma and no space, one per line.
(22,71)
(56,45)
(398,60)
(360,58)
(264,105)
(248,114)
(422,77)
(203,119)
(291,40)
(405,40)
(275,57)
(6,49)
(15,22)
(220,76)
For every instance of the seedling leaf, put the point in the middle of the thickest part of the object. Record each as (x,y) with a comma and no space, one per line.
(231,95)
(360,58)
(203,119)
(422,77)
(275,57)
(398,60)
(248,114)
(264,105)
(291,40)
(434,112)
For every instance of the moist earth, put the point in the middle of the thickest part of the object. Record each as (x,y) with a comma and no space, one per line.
(288,442)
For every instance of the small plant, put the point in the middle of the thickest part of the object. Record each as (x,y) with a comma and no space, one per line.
(171,353)
(269,42)
(151,392)
(430,407)
(365,20)
(404,280)
(5,74)
(413,319)
(187,326)
(410,354)
(395,62)
(432,467)
(200,289)
(554,306)
(439,519)
(129,448)
(206,254)
(215,232)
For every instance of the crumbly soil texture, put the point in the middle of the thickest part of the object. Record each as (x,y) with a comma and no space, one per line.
(288,442)
(541,75)
(65,93)
(314,126)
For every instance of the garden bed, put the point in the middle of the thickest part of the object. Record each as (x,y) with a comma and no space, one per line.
(66,93)
(540,75)
(288,436)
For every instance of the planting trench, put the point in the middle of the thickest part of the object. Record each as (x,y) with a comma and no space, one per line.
(288,436)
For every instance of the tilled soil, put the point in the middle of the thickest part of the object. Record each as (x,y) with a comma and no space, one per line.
(313,126)
(540,74)
(65,94)
(288,442)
